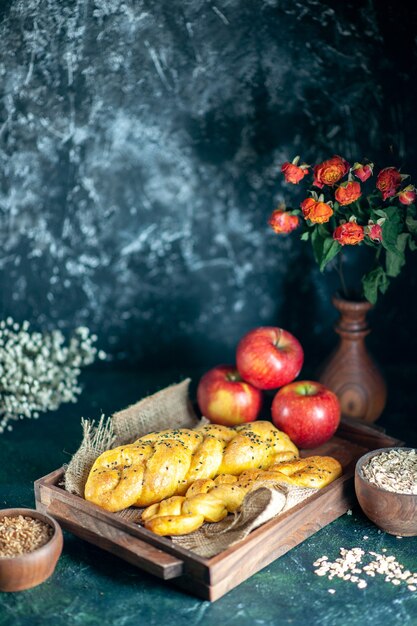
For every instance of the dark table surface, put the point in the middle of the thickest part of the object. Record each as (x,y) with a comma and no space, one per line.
(92,587)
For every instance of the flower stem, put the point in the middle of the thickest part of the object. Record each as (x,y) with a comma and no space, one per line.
(341,276)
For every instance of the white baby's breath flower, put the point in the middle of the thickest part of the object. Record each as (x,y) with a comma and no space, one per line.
(37,371)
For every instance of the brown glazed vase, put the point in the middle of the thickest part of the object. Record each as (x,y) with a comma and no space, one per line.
(350,371)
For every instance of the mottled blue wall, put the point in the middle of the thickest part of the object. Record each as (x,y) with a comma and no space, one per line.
(139,151)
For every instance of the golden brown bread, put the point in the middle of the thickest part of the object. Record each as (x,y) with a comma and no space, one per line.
(166,463)
(211,500)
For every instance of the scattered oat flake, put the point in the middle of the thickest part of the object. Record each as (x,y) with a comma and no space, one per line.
(354,563)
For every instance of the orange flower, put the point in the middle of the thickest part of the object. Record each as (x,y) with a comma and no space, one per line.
(407,195)
(349,234)
(306,206)
(294,173)
(316,211)
(283,222)
(348,193)
(363,172)
(388,181)
(320,213)
(330,172)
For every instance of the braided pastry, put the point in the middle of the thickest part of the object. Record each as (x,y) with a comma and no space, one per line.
(166,463)
(211,500)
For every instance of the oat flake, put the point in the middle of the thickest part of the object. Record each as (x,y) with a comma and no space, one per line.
(393,470)
(21,534)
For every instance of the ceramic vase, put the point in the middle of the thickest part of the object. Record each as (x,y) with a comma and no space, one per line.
(350,371)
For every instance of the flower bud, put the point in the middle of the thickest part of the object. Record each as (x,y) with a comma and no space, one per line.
(407,195)
(374,231)
(282,222)
(363,172)
(293,172)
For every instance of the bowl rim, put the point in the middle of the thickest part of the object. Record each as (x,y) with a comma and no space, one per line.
(368,455)
(42,552)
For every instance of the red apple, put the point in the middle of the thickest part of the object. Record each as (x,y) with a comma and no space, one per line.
(224,398)
(269,357)
(307,411)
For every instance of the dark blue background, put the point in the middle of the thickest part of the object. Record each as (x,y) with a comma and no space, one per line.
(140,145)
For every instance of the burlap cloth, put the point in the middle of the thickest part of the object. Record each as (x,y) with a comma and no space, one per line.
(171,408)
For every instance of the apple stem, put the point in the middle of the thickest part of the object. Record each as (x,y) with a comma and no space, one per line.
(233,377)
(278,339)
(307,390)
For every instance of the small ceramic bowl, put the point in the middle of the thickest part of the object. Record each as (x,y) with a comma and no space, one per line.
(394,513)
(30,569)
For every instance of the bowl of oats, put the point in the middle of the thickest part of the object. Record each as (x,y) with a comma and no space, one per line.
(30,546)
(386,488)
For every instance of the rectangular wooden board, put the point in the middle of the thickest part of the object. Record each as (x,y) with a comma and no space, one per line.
(212,578)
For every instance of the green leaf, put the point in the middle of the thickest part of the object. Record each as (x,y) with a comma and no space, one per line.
(305,236)
(375,281)
(412,244)
(402,241)
(395,260)
(391,228)
(411,220)
(317,241)
(325,247)
(393,263)
(380,213)
(324,230)
(330,248)
(392,211)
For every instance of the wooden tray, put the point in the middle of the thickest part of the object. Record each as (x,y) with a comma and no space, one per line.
(212,578)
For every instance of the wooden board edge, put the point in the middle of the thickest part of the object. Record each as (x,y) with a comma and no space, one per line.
(365,434)
(217,588)
(279,532)
(121,543)
(48,494)
(276,522)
